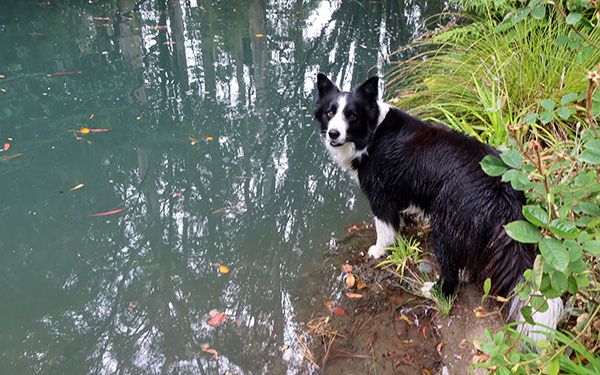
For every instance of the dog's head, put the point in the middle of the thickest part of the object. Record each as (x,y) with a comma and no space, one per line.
(347,117)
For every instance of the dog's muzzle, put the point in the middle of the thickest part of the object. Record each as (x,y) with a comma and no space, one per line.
(333,136)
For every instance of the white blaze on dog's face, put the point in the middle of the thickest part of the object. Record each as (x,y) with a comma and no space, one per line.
(348,119)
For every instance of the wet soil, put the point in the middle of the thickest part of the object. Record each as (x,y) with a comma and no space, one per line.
(390,329)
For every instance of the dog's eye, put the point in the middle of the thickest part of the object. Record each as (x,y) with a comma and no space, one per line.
(352,117)
(330,114)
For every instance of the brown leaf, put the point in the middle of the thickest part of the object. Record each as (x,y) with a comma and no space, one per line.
(350,280)
(361,285)
(206,348)
(347,267)
(327,303)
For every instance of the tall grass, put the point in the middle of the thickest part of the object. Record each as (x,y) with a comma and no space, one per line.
(485,77)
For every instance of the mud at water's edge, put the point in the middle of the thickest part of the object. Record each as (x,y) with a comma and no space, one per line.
(391,331)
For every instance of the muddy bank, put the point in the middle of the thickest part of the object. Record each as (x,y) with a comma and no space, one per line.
(379,326)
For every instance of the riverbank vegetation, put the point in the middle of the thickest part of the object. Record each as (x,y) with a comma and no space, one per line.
(524,77)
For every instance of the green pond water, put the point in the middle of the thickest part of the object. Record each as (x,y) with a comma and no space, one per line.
(201,151)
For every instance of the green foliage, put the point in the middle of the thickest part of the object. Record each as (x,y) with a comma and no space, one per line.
(486,78)
(405,252)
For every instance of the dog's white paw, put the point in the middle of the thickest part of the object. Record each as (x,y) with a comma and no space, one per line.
(426,289)
(376,251)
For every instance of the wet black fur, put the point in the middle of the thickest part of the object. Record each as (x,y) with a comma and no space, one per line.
(436,169)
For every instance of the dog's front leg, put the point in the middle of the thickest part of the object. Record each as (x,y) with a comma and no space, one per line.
(386,237)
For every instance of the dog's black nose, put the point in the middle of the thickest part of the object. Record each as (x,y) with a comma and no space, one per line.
(334,134)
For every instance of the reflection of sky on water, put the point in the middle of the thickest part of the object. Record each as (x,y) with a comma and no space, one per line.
(130,292)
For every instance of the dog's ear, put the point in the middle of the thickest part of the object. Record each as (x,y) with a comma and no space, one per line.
(324,85)
(369,88)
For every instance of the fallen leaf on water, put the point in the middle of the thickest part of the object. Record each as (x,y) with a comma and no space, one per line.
(85,130)
(222,268)
(206,348)
(347,267)
(99,130)
(3,158)
(217,319)
(354,228)
(354,295)
(212,313)
(91,117)
(350,280)
(108,213)
(338,311)
(76,187)
(6,146)
(209,138)
(260,35)
(194,140)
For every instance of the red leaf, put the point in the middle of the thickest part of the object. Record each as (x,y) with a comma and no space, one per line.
(108,213)
(217,319)
(338,311)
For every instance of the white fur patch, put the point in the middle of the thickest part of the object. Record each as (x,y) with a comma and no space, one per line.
(386,236)
(548,318)
(384,108)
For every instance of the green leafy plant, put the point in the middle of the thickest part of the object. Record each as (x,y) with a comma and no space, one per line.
(406,252)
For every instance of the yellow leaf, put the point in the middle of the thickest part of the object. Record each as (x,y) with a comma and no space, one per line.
(85,130)
(76,187)
(260,35)
(222,268)
(354,295)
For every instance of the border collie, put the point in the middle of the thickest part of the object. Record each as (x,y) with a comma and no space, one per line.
(405,166)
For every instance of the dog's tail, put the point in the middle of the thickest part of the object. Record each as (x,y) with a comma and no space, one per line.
(509,259)
(544,321)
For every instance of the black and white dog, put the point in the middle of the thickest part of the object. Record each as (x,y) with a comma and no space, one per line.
(404,166)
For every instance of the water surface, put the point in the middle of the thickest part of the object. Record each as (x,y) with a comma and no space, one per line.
(203,151)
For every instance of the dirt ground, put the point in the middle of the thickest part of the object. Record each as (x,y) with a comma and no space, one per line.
(389,330)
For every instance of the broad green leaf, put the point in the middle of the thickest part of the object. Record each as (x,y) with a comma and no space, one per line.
(530,118)
(563,228)
(523,231)
(592,246)
(546,117)
(509,175)
(563,112)
(512,158)
(539,12)
(563,39)
(573,18)
(487,285)
(493,166)
(548,104)
(589,208)
(552,368)
(570,97)
(539,303)
(559,282)
(536,215)
(522,14)
(591,155)
(555,254)
(593,144)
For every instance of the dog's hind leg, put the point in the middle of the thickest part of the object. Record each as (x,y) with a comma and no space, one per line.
(386,236)
(449,269)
